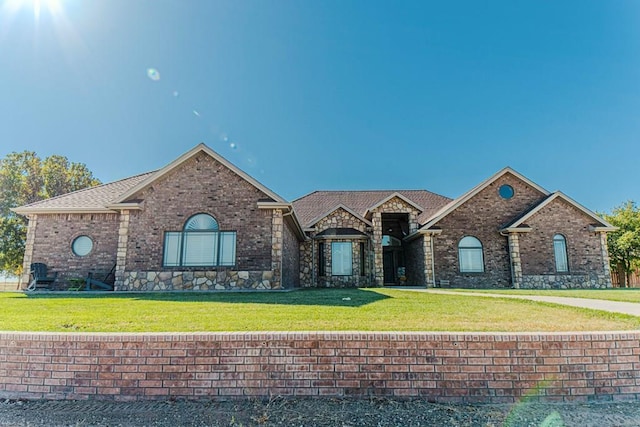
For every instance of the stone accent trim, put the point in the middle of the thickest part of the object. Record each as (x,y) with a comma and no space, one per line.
(121,255)
(277,242)
(28,251)
(440,367)
(429,262)
(605,258)
(199,280)
(516,263)
(566,281)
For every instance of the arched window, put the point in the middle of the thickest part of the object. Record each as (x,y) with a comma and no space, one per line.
(560,253)
(199,244)
(201,222)
(470,255)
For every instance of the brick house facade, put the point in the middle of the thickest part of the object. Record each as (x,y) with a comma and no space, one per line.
(200,223)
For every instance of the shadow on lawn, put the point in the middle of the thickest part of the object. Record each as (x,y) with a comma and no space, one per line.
(321,297)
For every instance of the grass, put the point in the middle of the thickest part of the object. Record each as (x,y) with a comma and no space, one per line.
(618,294)
(308,310)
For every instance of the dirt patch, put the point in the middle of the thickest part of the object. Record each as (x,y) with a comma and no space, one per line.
(313,412)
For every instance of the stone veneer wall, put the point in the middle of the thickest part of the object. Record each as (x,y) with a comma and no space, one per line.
(198,280)
(290,258)
(566,281)
(340,218)
(307,263)
(439,367)
(52,236)
(393,205)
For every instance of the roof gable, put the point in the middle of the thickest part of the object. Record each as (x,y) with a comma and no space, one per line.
(390,197)
(335,208)
(521,221)
(200,148)
(453,205)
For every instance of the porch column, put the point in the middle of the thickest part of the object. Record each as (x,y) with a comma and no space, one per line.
(516,263)
(277,229)
(28,251)
(605,259)
(429,264)
(121,253)
(378,268)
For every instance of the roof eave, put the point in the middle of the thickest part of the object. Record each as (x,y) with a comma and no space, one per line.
(71,210)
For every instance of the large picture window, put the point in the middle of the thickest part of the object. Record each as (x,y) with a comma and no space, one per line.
(560,253)
(199,244)
(341,259)
(470,255)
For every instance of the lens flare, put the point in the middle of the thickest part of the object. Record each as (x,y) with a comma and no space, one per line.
(153,74)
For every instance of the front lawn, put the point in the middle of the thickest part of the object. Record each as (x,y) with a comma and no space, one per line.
(617,294)
(308,310)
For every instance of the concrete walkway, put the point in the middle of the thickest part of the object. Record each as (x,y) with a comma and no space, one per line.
(595,304)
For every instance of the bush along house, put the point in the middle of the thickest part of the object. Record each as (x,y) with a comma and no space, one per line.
(201,223)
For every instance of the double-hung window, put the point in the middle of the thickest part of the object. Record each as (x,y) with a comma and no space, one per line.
(199,244)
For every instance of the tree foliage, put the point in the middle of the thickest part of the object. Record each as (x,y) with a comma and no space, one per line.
(624,244)
(26,178)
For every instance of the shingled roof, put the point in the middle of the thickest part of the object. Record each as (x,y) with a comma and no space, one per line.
(308,208)
(93,199)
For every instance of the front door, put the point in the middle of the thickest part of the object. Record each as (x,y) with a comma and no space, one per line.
(389,266)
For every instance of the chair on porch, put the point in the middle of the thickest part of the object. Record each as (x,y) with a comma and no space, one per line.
(40,277)
(102,281)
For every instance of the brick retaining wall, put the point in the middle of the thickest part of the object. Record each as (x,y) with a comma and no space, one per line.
(442,367)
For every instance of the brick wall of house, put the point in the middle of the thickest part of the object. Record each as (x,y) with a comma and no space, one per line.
(584,251)
(440,367)
(200,185)
(55,233)
(290,258)
(482,216)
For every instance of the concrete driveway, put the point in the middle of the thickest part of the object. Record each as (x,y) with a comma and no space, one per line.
(595,304)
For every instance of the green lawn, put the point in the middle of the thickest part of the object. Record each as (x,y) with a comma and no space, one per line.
(308,310)
(617,294)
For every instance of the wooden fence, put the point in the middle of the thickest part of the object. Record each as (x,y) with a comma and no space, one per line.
(634,281)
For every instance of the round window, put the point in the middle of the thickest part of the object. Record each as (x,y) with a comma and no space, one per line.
(506,191)
(82,245)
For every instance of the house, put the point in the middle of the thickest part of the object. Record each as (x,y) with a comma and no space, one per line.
(200,223)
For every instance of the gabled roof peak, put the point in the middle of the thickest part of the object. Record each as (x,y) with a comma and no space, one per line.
(201,147)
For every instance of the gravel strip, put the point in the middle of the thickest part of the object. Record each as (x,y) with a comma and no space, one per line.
(314,412)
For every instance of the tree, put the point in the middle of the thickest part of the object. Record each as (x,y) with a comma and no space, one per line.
(624,244)
(24,179)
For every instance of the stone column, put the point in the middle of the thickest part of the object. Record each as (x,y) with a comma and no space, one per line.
(121,253)
(605,259)
(378,267)
(429,269)
(516,263)
(277,239)
(28,251)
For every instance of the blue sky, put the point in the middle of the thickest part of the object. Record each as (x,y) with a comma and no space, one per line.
(310,95)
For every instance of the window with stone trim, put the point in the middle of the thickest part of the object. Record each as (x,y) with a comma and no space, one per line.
(560,253)
(199,244)
(470,255)
(341,259)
